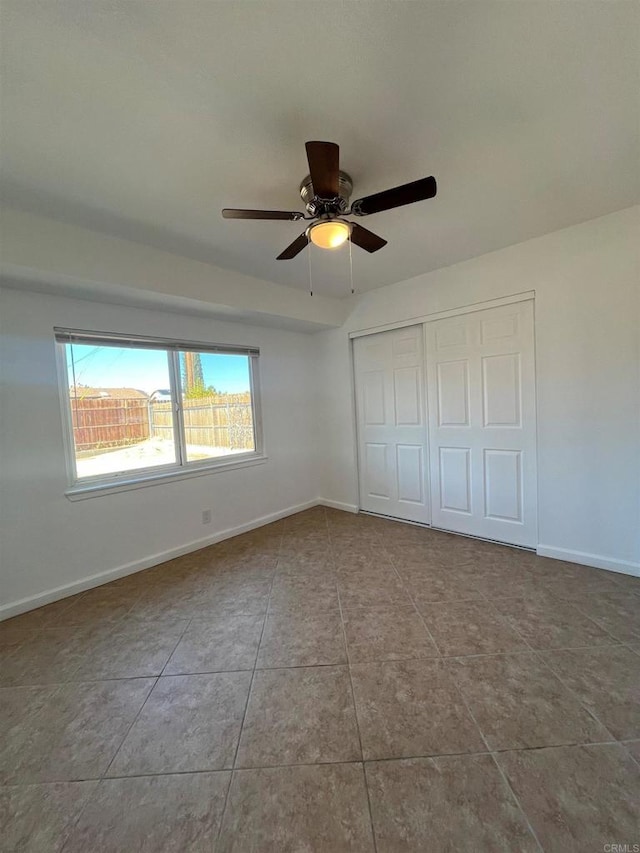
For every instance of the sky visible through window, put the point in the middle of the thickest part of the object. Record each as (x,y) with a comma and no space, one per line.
(147,370)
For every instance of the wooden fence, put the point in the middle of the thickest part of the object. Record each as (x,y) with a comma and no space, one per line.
(219,420)
(100,423)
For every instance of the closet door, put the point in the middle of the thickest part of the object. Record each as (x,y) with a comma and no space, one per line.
(389,379)
(482,427)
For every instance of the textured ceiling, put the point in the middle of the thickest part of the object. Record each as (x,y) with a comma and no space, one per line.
(143,119)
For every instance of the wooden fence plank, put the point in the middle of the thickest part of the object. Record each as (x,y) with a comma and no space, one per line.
(106,422)
(219,420)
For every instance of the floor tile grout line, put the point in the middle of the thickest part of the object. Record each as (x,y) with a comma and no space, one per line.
(368,794)
(633,757)
(232,770)
(103,778)
(246,706)
(535,650)
(116,753)
(531,649)
(168,660)
(391,758)
(355,714)
(49,622)
(516,800)
(71,826)
(110,624)
(445,657)
(100,778)
(574,606)
(32,715)
(495,761)
(512,628)
(572,692)
(595,621)
(420,616)
(538,654)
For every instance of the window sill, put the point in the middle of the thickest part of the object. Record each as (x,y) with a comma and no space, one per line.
(93,490)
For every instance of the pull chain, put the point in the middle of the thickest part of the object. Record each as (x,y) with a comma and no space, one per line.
(309,250)
(351,264)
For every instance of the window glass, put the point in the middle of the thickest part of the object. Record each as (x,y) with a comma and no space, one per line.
(217,407)
(110,393)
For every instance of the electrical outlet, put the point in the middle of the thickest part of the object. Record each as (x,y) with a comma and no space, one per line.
(206,516)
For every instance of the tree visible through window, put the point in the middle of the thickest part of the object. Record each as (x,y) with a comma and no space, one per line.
(192,375)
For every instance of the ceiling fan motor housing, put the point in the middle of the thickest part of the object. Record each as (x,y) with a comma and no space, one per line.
(318,206)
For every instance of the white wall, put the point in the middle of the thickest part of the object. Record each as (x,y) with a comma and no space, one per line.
(39,250)
(48,542)
(587,285)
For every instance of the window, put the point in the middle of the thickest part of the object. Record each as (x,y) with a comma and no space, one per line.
(142,408)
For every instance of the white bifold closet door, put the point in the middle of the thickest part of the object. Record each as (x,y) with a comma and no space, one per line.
(482,441)
(391,423)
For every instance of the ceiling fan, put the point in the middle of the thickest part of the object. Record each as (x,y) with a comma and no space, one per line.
(325,192)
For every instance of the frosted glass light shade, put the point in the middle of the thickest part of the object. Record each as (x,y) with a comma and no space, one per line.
(330,233)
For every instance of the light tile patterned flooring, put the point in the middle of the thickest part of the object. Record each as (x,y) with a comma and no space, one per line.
(327,683)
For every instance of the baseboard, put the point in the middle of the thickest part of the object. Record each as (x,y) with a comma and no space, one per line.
(595,560)
(39,600)
(338,505)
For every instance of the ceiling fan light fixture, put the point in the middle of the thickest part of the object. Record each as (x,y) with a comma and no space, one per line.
(329,233)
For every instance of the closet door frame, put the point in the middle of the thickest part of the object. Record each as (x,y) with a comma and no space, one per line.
(423,319)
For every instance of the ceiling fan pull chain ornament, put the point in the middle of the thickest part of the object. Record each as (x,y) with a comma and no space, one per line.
(310,279)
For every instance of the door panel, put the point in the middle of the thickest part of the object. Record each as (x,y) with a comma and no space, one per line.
(373,412)
(376,474)
(407,396)
(503,484)
(501,390)
(389,378)
(498,328)
(452,335)
(453,393)
(482,447)
(455,479)
(410,471)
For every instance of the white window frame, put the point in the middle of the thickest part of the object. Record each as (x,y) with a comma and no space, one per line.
(87,487)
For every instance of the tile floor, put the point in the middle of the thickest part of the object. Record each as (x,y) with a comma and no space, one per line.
(327,683)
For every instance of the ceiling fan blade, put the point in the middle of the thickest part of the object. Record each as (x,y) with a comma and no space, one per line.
(397,197)
(233,213)
(324,165)
(295,248)
(366,239)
